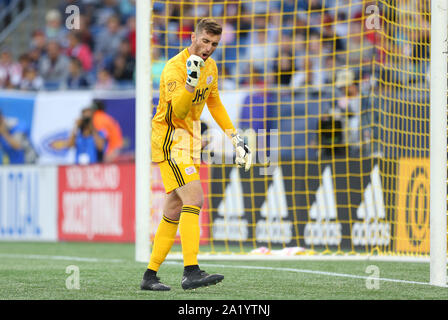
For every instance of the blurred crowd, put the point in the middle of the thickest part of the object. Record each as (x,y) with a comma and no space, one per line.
(100,54)
(295,43)
(4,3)
(336,52)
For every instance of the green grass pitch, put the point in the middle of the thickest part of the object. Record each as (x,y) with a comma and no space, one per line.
(37,271)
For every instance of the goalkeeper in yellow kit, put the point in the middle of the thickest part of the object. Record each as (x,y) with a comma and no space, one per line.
(189,81)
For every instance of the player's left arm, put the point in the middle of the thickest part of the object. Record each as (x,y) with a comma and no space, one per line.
(219,113)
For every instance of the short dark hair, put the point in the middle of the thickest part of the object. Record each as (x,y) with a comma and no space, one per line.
(209,25)
(98,104)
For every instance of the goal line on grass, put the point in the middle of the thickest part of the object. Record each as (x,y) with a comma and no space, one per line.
(316,272)
(172,262)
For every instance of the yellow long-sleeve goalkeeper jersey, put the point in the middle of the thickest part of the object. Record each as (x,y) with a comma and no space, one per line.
(172,136)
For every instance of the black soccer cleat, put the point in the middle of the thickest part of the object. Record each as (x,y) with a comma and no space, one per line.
(153,283)
(199,278)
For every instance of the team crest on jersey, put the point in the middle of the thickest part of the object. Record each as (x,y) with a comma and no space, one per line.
(209,79)
(190,170)
(171,86)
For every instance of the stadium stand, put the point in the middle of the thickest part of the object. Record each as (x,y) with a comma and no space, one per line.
(302,51)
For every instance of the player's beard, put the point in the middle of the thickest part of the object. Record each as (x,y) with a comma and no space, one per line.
(196,49)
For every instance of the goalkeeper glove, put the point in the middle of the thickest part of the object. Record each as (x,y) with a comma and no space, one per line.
(194,65)
(243,153)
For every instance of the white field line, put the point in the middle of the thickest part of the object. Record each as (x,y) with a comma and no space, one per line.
(48,257)
(325,273)
(316,272)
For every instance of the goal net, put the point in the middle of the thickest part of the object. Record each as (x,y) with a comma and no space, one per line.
(333,98)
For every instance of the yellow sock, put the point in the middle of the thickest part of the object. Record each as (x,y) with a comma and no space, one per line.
(189,234)
(163,241)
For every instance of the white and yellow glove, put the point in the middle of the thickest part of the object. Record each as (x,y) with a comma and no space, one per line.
(243,153)
(194,65)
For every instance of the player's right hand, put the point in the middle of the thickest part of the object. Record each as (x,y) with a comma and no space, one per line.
(194,65)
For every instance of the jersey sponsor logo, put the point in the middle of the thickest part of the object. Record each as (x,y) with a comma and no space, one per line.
(190,170)
(200,95)
(371,231)
(324,230)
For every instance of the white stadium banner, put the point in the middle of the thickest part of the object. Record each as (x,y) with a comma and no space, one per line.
(55,114)
(28,203)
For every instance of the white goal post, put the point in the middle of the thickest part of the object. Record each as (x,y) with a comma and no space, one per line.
(438,148)
(143,105)
(438,143)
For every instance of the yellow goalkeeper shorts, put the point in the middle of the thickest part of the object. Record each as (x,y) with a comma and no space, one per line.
(175,175)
